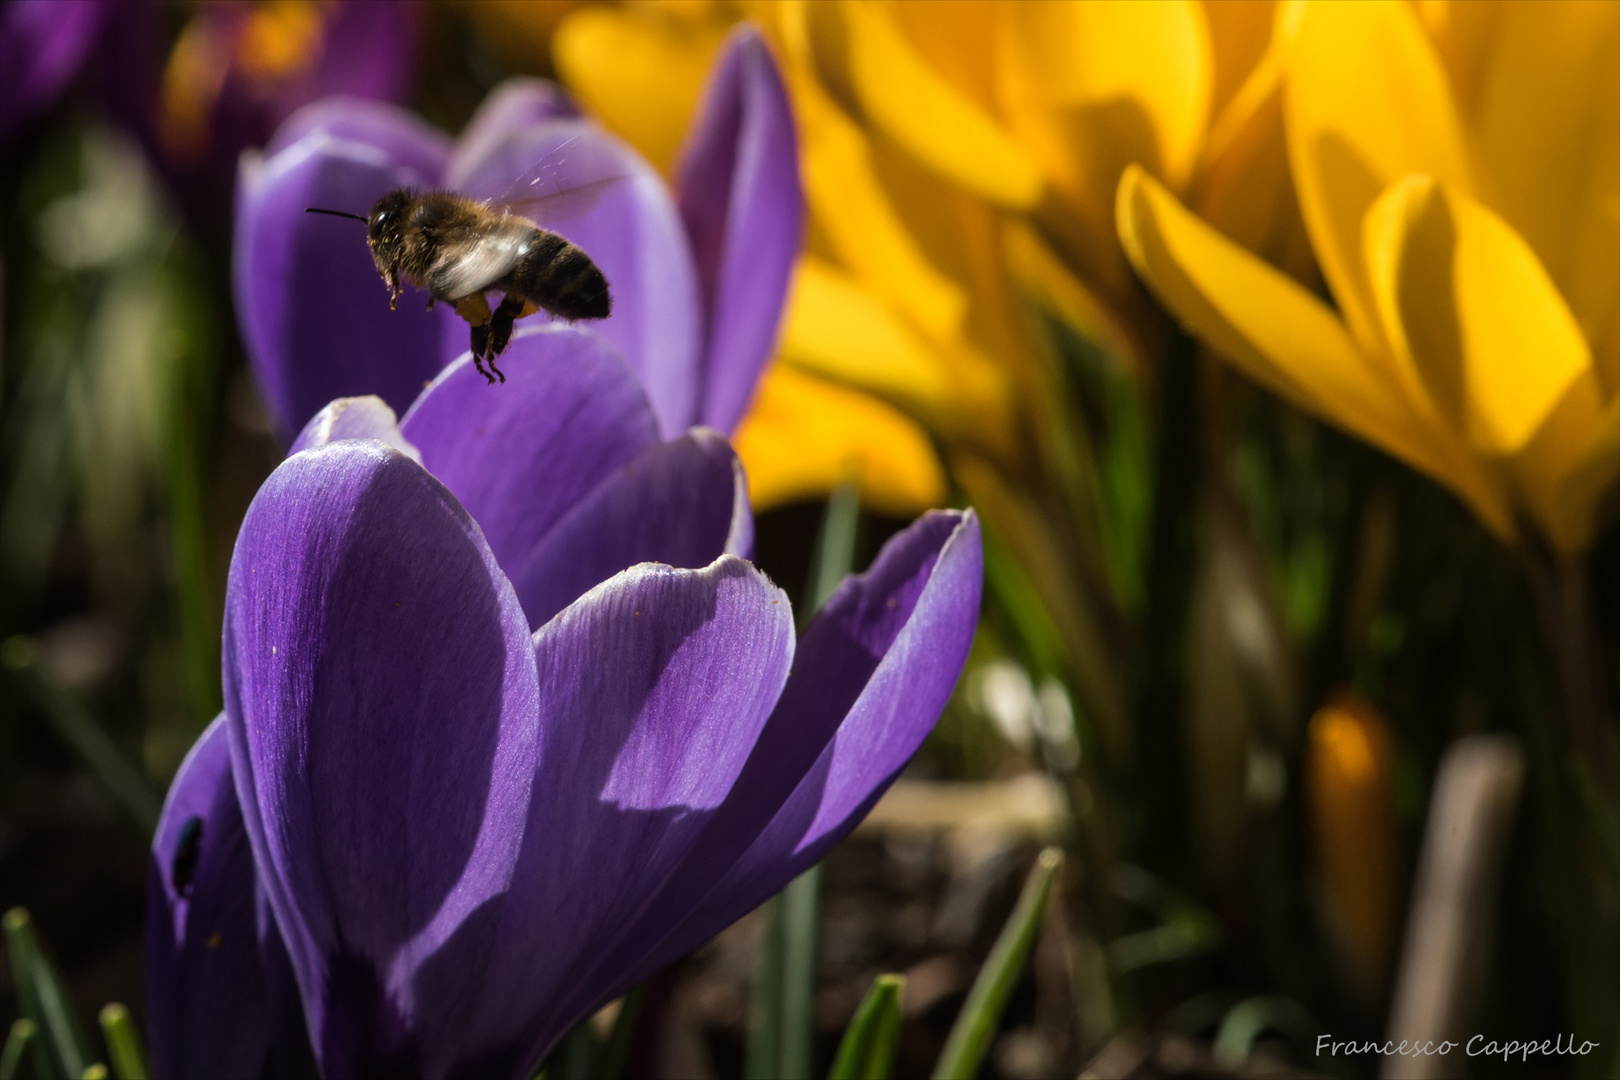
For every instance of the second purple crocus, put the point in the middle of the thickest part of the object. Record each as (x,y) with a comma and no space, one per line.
(513,724)
(699,279)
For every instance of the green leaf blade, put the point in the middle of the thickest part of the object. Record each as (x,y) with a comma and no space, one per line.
(63,1050)
(872,1042)
(970,1036)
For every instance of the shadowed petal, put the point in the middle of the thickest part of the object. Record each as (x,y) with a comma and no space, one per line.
(381,694)
(521,454)
(630,229)
(654,686)
(683,503)
(743,207)
(418,148)
(872,674)
(211,1009)
(314,312)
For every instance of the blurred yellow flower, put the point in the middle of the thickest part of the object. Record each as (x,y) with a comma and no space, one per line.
(959,159)
(1349,762)
(1459,177)
(960,162)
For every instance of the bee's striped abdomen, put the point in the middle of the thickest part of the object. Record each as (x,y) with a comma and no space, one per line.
(558,276)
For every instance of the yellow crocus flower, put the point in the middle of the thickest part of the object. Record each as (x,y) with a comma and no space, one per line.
(1458,171)
(961,158)
(960,162)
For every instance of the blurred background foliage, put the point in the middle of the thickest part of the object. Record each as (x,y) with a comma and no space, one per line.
(1228,643)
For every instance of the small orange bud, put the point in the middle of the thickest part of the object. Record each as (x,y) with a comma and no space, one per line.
(1350,761)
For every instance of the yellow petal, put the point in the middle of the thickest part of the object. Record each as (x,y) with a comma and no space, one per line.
(1547,145)
(1464,35)
(1566,470)
(1247,192)
(1466,305)
(641,72)
(1092,87)
(840,331)
(868,66)
(1239,35)
(1366,102)
(803,436)
(853,212)
(1283,337)
(953,38)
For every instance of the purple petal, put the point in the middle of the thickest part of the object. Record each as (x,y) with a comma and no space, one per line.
(42,44)
(381,693)
(368,50)
(682,503)
(512,106)
(412,145)
(519,455)
(631,230)
(654,687)
(744,210)
(210,1005)
(313,309)
(354,418)
(873,672)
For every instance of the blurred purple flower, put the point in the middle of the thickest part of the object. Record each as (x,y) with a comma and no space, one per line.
(491,778)
(698,285)
(237,69)
(42,45)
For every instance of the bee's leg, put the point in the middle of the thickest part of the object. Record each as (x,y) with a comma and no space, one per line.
(480,350)
(501,327)
(475,309)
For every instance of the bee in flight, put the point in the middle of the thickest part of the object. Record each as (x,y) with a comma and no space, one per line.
(460,248)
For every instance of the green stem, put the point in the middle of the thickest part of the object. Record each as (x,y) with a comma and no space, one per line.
(63,1051)
(123,1043)
(1161,668)
(765,1001)
(798,911)
(23,1034)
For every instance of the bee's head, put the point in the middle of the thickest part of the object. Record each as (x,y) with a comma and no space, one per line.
(385,225)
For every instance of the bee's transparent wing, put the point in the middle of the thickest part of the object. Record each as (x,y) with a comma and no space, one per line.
(478,263)
(566,182)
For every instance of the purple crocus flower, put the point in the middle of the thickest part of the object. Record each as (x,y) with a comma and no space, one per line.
(698,283)
(236,71)
(496,756)
(42,45)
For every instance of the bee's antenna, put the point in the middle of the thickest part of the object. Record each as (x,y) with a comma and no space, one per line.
(334,213)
